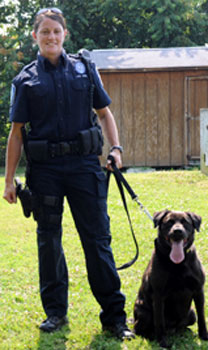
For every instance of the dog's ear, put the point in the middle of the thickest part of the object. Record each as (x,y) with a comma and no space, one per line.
(158,216)
(196,219)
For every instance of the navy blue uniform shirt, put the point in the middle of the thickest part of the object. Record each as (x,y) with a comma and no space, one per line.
(55,100)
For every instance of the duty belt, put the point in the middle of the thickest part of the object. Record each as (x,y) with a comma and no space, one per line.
(63,148)
(42,150)
(89,141)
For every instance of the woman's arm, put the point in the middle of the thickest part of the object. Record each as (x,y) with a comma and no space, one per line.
(13,154)
(111,132)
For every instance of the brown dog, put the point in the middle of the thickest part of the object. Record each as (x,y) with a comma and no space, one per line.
(173,278)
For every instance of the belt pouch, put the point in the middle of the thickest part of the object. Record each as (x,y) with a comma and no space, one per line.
(91,141)
(85,142)
(97,139)
(38,150)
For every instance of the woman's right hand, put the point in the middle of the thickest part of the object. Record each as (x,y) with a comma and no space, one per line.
(10,193)
(13,154)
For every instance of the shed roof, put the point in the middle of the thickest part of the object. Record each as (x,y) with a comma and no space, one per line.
(151,59)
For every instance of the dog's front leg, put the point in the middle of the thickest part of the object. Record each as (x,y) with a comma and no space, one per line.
(159,320)
(199,303)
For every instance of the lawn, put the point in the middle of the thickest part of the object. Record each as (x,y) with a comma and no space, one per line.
(20,307)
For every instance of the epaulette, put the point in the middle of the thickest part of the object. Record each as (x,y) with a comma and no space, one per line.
(28,66)
(73,55)
(83,54)
(25,72)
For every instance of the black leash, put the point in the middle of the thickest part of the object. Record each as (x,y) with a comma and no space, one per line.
(121,181)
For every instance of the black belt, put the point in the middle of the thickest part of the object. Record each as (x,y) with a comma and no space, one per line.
(42,150)
(63,148)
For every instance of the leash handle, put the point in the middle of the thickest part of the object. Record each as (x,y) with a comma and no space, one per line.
(120,179)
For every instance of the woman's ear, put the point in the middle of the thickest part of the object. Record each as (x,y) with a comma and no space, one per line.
(66,34)
(34,35)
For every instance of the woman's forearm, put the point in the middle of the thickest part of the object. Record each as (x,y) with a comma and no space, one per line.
(13,154)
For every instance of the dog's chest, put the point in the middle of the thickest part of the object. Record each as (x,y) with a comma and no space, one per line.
(178,279)
(179,283)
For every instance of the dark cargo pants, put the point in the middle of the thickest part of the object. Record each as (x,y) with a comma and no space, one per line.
(85,191)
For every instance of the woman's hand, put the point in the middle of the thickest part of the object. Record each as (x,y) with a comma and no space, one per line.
(116,154)
(13,154)
(10,193)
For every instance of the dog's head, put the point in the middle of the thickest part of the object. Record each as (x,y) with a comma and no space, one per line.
(176,231)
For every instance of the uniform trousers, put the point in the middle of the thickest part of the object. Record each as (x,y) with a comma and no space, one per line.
(81,180)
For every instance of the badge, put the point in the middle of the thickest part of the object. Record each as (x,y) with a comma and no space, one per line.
(80,68)
(12,95)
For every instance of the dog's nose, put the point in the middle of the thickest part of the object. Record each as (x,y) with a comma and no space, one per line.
(177,235)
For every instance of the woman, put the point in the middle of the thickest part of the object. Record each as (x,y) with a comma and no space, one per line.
(52,95)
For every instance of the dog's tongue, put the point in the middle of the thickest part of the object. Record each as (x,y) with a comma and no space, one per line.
(177,253)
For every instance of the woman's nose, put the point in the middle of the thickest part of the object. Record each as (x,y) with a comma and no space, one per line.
(51,35)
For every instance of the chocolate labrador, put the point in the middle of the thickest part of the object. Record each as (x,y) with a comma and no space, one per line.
(173,278)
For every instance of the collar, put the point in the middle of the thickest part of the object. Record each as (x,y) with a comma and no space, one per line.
(46,64)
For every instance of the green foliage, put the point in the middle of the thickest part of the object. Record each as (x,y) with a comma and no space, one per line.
(175,23)
(95,24)
(20,306)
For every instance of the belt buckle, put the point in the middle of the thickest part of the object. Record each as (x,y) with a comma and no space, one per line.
(72,147)
(52,150)
(64,148)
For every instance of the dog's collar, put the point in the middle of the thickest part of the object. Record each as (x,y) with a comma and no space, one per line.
(189,248)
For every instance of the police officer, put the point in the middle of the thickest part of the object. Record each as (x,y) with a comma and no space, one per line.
(53,95)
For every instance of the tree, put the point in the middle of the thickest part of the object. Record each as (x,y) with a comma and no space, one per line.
(173,23)
(16,50)
(95,24)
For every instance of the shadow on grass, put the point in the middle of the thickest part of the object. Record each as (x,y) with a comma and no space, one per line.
(104,342)
(52,341)
(182,340)
(187,339)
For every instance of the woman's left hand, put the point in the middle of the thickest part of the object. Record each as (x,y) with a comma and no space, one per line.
(116,154)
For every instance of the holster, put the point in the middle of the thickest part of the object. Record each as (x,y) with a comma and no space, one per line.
(91,140)
(26,198)
(34,204)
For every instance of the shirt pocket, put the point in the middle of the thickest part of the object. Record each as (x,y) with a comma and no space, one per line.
(80,84)
(38,102)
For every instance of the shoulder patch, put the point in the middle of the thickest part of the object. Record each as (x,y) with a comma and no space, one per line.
(12,95)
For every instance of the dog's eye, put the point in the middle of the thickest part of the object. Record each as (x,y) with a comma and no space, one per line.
(169,223)
(185,223)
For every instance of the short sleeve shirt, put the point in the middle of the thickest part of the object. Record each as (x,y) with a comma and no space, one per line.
(55,100)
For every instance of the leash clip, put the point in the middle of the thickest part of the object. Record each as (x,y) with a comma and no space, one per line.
(142,207)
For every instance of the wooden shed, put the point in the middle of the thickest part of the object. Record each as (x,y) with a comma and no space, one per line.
(156,99)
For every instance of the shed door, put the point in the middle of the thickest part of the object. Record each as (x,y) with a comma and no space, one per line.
(196,97)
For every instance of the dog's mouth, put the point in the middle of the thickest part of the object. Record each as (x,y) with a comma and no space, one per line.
(177,250)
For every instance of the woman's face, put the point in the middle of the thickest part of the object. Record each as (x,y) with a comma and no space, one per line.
(50,38)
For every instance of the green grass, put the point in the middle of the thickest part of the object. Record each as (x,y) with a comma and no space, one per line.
(20,307)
